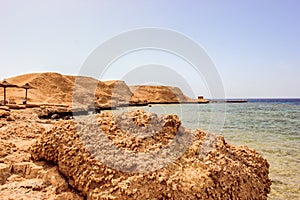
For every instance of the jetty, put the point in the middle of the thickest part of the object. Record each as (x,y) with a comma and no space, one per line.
(228,101)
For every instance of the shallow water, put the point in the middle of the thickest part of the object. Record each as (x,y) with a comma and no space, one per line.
(271,127)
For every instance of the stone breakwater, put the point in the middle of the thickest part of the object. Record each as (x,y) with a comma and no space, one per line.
(224,171)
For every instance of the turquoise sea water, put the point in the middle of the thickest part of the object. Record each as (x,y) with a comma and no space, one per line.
(272,127)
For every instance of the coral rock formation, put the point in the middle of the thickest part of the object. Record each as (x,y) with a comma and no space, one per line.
(222,171)
(20,177)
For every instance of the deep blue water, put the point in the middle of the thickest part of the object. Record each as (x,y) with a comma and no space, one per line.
(294,101)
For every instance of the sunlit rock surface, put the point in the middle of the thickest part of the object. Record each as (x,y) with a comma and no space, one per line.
(139,155)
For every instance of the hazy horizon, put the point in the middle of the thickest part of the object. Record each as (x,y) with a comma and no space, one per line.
(255,45)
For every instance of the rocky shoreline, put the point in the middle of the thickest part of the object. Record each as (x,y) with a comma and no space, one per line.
(47,159)
(62,144)
(62,96)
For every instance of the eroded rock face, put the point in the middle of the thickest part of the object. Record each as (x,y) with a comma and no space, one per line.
(20,177)
(223,172)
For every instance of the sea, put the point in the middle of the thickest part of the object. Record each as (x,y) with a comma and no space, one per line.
(270,126)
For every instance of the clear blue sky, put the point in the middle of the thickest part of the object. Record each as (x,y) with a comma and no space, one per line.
(255,44)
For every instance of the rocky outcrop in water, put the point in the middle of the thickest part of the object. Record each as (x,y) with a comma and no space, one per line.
(200,170)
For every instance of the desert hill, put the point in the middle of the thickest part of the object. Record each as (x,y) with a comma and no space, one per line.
(65,89)
(156,94)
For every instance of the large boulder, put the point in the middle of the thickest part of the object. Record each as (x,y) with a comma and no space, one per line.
(207,167)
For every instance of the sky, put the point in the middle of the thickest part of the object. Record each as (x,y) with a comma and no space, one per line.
(254,45)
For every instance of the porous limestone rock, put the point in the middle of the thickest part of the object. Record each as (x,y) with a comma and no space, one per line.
(223,171)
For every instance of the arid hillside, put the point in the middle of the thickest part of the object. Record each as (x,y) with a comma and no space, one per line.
(56,88)
(156,94)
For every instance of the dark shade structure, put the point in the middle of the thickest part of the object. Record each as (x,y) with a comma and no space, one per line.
(5,85)
(26,87)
